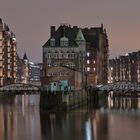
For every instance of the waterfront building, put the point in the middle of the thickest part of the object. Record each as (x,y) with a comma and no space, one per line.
(125,68)
(8,55)
(75,56)
(34,73)
(28,71)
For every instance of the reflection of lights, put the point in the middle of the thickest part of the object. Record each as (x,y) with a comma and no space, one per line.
(110,102)
(23,105)
(88,130)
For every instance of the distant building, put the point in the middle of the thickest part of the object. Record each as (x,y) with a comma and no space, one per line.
(20,68)
(125,68)
(8,55)
(28,72)
(34,72)
(75,56)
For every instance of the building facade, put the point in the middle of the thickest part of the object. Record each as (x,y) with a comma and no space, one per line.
(125,68)
(27,71)
(75,56)
(8,55)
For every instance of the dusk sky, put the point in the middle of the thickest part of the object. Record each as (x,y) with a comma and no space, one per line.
(30,20)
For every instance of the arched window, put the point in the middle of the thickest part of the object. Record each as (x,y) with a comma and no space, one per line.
(73,55)
(56,54)
(61,54)
(68,54)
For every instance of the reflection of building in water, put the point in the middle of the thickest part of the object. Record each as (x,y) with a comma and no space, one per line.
(8,122)
(18,119)
(123,103)
(76,125)
(99,124)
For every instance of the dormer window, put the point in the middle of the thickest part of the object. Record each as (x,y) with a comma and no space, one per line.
(52,42)
(64,41)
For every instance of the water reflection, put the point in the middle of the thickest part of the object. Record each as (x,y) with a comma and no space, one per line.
(115,119)
(18,119)
(125,103)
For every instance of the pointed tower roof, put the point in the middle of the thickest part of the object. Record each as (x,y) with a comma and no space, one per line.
(80,36)
(25,56)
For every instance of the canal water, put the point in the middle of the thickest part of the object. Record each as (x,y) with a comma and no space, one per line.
(111,119)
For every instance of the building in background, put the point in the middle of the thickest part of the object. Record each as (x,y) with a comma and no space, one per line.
(27,71)
(75,56)
(97,49)
(8,55)
(125,68)
(34,73)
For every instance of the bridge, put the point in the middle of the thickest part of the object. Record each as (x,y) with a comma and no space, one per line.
(20,87)
(121,86)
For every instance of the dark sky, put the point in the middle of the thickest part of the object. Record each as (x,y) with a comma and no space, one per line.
(30,20)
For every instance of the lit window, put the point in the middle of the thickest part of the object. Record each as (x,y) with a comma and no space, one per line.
(94,69)
(87,61)
(49,65)
(88,54)
(88,68)
(94,62)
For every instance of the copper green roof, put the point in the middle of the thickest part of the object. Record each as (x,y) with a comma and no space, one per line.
(80,36)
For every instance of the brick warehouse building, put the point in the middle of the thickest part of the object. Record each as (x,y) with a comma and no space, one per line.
(125,68)
(75,56)
(8,55)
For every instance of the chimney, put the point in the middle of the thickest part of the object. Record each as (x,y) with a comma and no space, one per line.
(52,30)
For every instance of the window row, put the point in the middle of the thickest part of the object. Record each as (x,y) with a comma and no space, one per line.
(58,74)
(63,42)
(89,69)
(88,62)
(61,55)
(70,65)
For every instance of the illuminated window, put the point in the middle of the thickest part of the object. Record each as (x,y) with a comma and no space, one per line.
(88,68)
(49,65)
(88,54)
(88,62)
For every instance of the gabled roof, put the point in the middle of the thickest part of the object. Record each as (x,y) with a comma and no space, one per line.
(90,35)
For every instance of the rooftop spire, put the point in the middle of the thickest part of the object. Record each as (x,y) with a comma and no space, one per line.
(80,36)
(25,56)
